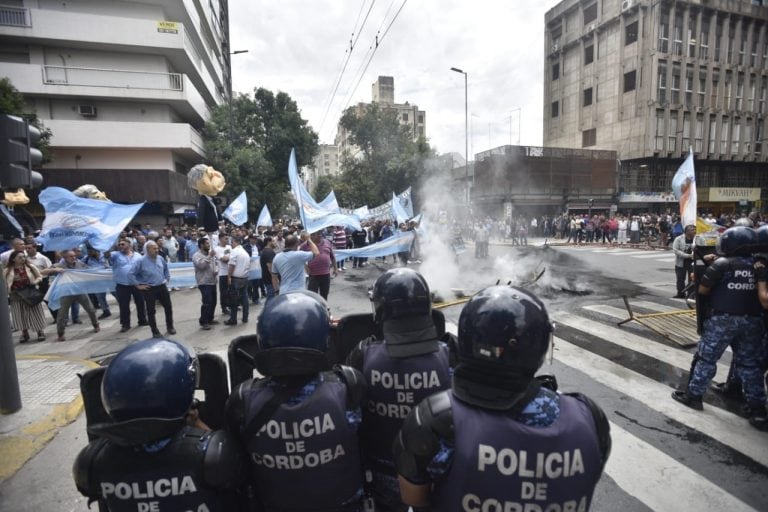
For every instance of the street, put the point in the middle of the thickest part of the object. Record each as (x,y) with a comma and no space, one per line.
(665,457)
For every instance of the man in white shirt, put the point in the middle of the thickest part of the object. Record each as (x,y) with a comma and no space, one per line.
(239,263)
(222,251)
(17,244)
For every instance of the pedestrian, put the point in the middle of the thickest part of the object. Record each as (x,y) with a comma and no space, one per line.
(683,249)
(320,266)
(622,227)
(17,244)
(222,251)
(122,262)
(288,266)
(151,275)
(409,351)
(300,412)
(170,244)
(95,260)
(238,266)
(266,257)
(459,449)
(204,261)
(339,243)
(735,319)
(634,230)
(359,240)
(21,274)
(70,262)
(155,453)
(43,264)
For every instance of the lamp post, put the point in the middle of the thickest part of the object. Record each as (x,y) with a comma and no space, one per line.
(466,132)
(519,111)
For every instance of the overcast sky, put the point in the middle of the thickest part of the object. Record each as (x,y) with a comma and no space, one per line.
(299,47)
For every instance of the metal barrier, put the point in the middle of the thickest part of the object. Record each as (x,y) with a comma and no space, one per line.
(677,326)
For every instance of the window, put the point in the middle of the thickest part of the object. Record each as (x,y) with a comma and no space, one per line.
(686,131)
(702,86)
(739,90)
(763,95)
(730,57)
(748,137)
(728,91)
(663,44)
(589,54)
(689,86)
(589,138)
(725,128)
(751,93)
(743,46)
(715,85)
(675,83)
(405,117)
(692,36)
(677,42)
(765,55)
(662,95)
(753,53)
(699,134)
(590,13)
(712,133)
(555,108)
(421,118)
(629,80)
(587,97)
(660,130)
(704,40)
(672,134)
(555,71)
(718,37)
(736,133)
(630,33)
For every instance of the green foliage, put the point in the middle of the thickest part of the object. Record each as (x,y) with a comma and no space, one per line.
(250,142)
(12,102)
(323,187)
(391,160)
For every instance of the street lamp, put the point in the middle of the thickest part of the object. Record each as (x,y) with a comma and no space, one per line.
(466,132)
(238,52)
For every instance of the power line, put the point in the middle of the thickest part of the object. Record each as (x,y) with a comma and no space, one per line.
(349,55)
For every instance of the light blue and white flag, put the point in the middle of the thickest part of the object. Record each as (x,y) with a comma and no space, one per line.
(361,213)
(385,210)
(398,212)
(71,220)
(76,282)
(313,216)
(237,212)
(265,219)
(9,215)
(330,203)
(399,242)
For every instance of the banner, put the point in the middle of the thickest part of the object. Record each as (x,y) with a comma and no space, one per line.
(71,220)
(237,212)
(265,219)
(76,282)
(330,203)
(313,216)
(684,187)
(399,242)
(385,210)
(398,212)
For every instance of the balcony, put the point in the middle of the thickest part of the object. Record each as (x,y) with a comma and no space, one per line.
(180,138)
(174,89)
(14,16)
(118,34)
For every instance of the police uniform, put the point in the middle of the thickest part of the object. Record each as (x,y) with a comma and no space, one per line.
(192,470)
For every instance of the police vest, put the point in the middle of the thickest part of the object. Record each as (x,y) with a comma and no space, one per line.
(501,464)
(171,479)
(736,292)
(395,386)
(306,455)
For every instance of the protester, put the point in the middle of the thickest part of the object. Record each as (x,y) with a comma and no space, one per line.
(683,249)
(288,266)
(266,257)
(122,263)
(20,274)
(320,266)
(151,275)
(95,260)
(204,261)
(238,266)
(70,262)
(222,251)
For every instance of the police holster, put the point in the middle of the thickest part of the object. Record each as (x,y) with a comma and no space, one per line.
(351,329)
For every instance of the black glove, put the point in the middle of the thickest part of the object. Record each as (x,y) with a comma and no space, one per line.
(761,273)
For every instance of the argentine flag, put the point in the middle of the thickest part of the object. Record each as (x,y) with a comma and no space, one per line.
(265,219)
(237,212)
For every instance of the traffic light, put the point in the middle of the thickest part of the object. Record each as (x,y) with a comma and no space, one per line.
(17,153)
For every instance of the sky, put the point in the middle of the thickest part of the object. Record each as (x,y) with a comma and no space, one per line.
(300,46)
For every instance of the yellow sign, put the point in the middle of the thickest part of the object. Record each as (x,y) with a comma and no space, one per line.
(168,27)
(734,194)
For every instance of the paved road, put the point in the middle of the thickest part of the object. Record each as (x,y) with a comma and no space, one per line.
(665,456)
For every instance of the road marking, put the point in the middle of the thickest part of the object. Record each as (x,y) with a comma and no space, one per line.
(655,306)
(660,477)
(727,428)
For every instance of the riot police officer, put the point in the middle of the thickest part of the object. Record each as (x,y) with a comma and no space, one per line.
(499,440)
(299,425)
(408,365)
(735,319)
(151,458)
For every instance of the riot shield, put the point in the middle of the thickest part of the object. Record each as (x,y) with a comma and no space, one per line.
(241,356)
(703,245)
(90,389)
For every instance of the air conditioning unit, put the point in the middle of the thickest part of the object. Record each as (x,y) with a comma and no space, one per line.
(627,5)
(86,110)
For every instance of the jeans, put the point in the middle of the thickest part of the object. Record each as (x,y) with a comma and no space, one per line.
(158,293)
(320,284)
(241,285)
(223,285)
(66,303)
(124,294)
(207,303)
(268,288)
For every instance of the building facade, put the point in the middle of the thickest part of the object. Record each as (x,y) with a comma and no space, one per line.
(124,86)
(651,80)
(325,163)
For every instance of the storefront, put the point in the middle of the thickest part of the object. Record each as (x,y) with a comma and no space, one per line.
(641,202)
(718,200)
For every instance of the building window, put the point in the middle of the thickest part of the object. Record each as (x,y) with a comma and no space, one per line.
(739,90)
(728,92)
(630,33)
(589,54)
(672,134)
(662,94)
(555,108)
(660,130)
(753,54)
(629,80)
(675,83)
(677,41)
(743,46)
(725,128)
(713,93)
(748,137)
(555,70)
(663,44)
(718,37)
(735,136)
(686,131)
(421,118)
(405,117)
(704,40)
(763,94)
(689,86)
(590,14)
(752,90)
(698,141)
(702,86)
(712,134)
(765,55)
(731,43)
(587,97)
(692,36)
(589,138)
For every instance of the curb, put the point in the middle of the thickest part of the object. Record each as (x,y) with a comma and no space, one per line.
(17,448)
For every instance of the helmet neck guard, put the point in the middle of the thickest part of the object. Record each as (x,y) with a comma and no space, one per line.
(410,336)
(490,386)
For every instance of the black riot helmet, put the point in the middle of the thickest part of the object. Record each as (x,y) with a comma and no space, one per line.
(154,378)
(737,241)
(400,293)
(761,242)
(504,334)
(293,331)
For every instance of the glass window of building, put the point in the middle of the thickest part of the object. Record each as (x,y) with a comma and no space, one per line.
(698,140)
(739,90)
(672,133)
(587,97)
(743,46)
(763,94)
(753,53)
(731,43)
(675,83)
(677,41)
(725,129)
(662,94)
(630,33)
(589,138)
(712,135)
(555,109)
(629,80)
(704,39)
(728,90)
(590,13)
(660,130)
(735,136)
(692,36)
(751,93)
(748,136)
(689,86)
(715,85)
(663,43)
(555,70)
(702,86)
(718,38)
(765,55)
(686,131)
(589,54)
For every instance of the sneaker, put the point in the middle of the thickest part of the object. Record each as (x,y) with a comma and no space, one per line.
(78,321)
(171,330)
(205,327)
(96,328)
(125,328)
(230,322)
(143,324)
(694,402)
(40,336)
(214,322)
(245,320)
(758,417)
(61,338)
(104,315)
(157,334)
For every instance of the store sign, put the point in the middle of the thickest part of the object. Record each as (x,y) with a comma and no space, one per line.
(734,194)
(167,27)
(647,197)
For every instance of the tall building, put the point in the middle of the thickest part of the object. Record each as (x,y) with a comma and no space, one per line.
(125,87)
(652,79)
(383,94)
(325,163)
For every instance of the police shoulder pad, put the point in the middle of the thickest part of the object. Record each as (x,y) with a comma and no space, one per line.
(355,382)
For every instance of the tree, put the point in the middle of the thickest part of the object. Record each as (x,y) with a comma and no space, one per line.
(12,103)
(323,187)
(391,159)
(250,139)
